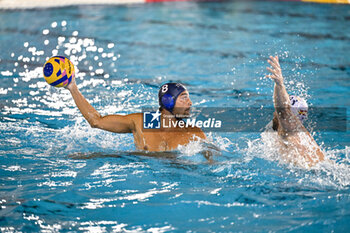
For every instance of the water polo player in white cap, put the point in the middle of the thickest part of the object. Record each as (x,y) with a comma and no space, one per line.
(295,143)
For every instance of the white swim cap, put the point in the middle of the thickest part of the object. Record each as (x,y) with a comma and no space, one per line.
(299,107)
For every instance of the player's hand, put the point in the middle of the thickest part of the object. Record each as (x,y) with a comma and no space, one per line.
(276,72)
(72,84)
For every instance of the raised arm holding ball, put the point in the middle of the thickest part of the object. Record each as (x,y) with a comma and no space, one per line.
(174,100)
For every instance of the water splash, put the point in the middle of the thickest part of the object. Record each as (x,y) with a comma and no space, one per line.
(331,173)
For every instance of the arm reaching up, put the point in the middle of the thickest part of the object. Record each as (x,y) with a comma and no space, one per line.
(113,123)
(297,145)
(288,121)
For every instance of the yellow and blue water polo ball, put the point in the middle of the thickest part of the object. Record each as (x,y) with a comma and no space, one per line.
(58,71)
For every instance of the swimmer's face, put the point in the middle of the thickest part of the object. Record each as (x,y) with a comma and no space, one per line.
(183,104)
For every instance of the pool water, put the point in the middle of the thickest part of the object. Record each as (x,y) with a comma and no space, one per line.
(58,174)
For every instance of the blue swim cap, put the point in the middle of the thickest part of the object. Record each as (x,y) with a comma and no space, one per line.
(168,94)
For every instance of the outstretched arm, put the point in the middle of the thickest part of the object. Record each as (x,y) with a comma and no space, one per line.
(113,123)
(288,121)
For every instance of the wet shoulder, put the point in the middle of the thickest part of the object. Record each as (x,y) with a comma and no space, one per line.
(136,118)
(197,131)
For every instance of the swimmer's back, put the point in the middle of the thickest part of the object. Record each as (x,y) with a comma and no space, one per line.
(300,148)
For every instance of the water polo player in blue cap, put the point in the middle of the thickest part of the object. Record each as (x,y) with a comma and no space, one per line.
(294,142)
(175,104)
(168,95)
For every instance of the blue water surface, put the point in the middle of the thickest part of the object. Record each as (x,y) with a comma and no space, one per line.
(58,174)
